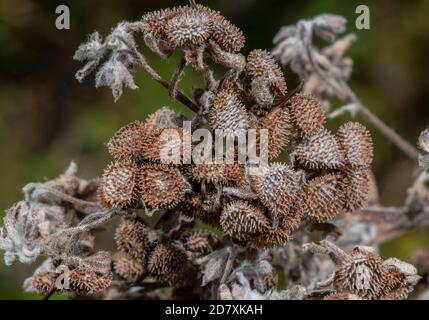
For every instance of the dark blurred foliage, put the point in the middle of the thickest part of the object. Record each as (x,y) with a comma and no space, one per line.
(48,119)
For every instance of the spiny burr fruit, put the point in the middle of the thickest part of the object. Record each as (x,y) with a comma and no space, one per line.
(186,26)
(84,281)
(261,64)
(278,188)
(131,238)
(355,185)
(197,244)
(166,259)
(228,113)
(119,187)
(362,274)
(356,143)
(324,199)
(128,141)
(306,114)
(166,145)
(241,220)
(319,151)
(188,29)
(44,282)
(278,124)
(271,238)
(127,267)
(162,186)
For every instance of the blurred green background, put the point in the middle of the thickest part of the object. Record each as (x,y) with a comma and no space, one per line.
(48,119)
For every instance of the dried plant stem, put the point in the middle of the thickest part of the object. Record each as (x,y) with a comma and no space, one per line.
(179,96)
(172,90)
(86,207)
(49,293)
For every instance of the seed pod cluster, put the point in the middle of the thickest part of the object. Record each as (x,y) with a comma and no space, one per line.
(197,31)
(185,27)
(138,176)
(365,275)
(327,175)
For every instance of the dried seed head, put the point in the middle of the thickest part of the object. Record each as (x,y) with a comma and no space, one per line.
(277,122)
(363,274)
(166,259)
(224,33)
(356,144)
(188,29)
(320,151)
(260,63)
(166,145)
(292,221)
(323,198)
(155,22)
(128,141)
(193,26)
(271,238)
(197,244)
(306,114)
(44,282)
(396,285)
(278,188)
(242,221)
(162,186)
(84,281)
(131,238)
(210,173)
(228,113)
(235,175)
(206,210)
(355,185)
(127,267)
(118,186)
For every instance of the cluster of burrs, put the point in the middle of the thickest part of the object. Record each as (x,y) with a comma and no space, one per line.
(253,206)
(362,274)
(326,174)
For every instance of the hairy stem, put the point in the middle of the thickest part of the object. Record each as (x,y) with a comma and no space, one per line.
(179,96)
(176,77)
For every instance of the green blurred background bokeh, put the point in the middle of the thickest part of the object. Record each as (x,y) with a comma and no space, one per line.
(48,119)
